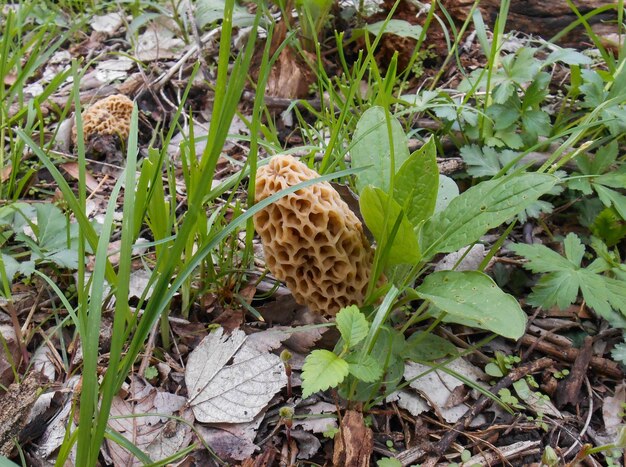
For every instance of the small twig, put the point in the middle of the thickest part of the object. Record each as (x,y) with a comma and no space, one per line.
(598,364)
(484,401)
(194,49)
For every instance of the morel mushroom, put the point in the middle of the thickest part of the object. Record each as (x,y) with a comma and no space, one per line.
(107,117)
(311,238)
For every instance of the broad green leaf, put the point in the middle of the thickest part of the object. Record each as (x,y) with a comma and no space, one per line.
(364,368)
(481,208)
(422,347)
(352,325)
(416,184)
(473,298)
(322,369)
(448,190)
(377,209)
(371,148)
(567,56)
(398,27)
(210,11)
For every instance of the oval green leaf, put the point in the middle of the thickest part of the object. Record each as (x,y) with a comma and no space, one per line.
(473,299)
(371,148)
(416,184)
(481,208)
(381,213)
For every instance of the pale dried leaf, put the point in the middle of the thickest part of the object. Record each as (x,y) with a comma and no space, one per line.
(233,393)
(438,386)
(156,435)
(108,23)
(612,408)
(232,441)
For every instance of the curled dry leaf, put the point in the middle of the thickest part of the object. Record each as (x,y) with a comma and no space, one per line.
(221,391)
(158,436)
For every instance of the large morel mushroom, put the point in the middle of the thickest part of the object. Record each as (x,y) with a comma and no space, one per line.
(311,239)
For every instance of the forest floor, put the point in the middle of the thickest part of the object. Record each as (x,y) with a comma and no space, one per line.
(142,321)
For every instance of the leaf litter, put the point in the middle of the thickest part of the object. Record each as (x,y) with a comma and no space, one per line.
(228,386)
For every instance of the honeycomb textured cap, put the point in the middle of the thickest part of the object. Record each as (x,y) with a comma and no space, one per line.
(109,116)
(311,239)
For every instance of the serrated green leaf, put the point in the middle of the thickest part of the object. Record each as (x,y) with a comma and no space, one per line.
(377,208)
(371,148)
(417,182)
(364,368)
(503,115)
(610,198)
(486,161)
(471,297)
(556,288)
(426,347)
(502,92)
(536,123)
(541,258)
(510,137)
(574,249)
(619,353)
(609,227)
(481,208)
(322,369)
(352,325)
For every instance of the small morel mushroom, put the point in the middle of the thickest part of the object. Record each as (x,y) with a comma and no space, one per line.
(107,117)
(311,238)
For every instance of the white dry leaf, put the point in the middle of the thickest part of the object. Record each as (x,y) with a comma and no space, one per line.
(42,363)
(410,401)
(9,342)
(438,386)
(159,41)
(537,403)
(612,408)
(55,432)
(137,283)
(308,444)
(108,71)
(318,418)
(108,23)
(470,262)
(225,391)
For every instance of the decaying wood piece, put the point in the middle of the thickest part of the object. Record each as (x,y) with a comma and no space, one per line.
(541,18)
(569,389)
(354,443)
